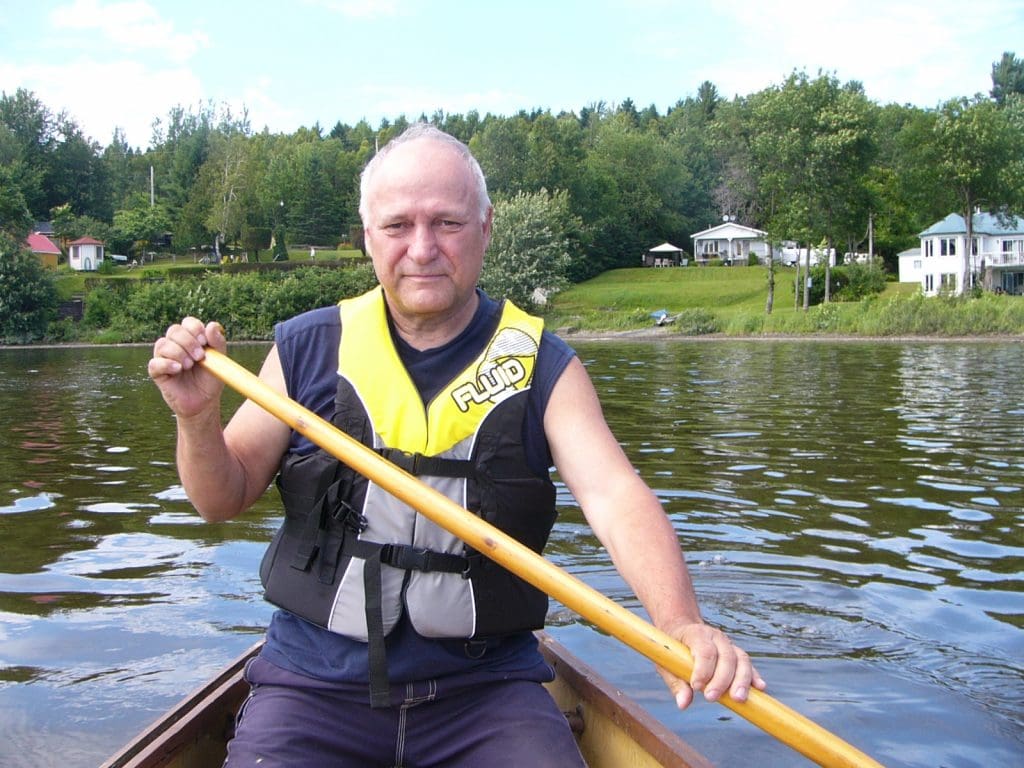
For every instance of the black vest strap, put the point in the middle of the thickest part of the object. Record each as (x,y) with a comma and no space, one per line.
(332,504)
(419,559)
(380,688)
(435,466)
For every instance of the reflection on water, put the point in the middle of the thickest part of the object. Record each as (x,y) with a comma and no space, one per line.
(852,513)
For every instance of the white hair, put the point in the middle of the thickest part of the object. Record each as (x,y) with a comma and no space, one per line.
(413,133)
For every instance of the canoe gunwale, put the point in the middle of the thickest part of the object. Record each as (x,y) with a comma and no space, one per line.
(641,726)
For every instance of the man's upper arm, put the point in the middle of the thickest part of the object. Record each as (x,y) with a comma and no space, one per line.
(586,453)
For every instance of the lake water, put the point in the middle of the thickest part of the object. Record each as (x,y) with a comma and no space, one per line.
(853,515)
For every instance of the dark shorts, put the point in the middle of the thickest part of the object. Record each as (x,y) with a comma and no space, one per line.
(293,721)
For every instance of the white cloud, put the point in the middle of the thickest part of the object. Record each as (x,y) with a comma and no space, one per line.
(131,97)
(916,51)
(130,26)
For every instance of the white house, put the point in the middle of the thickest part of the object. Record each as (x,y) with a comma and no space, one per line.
(732,243)
(85,254)
(996,255)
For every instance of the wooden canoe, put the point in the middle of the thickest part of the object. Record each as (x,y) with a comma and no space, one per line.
(613,731)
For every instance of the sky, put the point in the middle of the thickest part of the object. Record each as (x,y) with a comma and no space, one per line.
(295,63)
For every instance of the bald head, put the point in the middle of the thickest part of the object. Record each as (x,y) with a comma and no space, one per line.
(422,132)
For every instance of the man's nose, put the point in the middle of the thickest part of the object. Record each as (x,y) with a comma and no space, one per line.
(424,242)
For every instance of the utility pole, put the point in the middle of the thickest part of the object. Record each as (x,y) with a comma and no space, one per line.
(871,238)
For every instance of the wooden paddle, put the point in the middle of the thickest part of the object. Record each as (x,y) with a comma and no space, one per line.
(785,724)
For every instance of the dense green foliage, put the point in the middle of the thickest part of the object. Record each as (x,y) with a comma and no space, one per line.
(246,304)
(530,253)
(811,160)
(851,282)
(808,160)
(28,296)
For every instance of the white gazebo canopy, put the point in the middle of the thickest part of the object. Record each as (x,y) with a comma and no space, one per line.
(665,248)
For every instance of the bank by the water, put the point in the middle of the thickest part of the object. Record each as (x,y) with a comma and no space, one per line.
(668,334)
(706,301)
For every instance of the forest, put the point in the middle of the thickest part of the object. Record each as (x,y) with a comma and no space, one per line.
(810,160)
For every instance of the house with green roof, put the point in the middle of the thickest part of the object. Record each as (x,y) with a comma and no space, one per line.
(996,255)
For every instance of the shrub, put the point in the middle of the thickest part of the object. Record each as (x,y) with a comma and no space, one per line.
(861,281)
(63,331)
(697,322)
(102,305)
(246,304)
(28,294)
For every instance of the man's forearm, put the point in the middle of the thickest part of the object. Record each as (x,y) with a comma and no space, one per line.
(212,476)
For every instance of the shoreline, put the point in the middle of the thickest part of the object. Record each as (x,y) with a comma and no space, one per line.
(667,334)
(659,334)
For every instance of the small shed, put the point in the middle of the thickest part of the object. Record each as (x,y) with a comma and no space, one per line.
(664,255)
(85,254)
(44,249)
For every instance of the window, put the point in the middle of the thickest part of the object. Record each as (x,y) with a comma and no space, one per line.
(917,263)
(929,248)
(947,246)
(1007,246)
(948,281)
(929,283)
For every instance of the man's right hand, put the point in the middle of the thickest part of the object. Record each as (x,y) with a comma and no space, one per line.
(187,388)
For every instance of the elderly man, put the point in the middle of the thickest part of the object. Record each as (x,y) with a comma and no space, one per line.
(394,644)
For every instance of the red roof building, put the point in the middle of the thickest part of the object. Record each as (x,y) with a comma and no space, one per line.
(44,249)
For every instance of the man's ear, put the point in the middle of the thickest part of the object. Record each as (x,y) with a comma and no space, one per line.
(488,223)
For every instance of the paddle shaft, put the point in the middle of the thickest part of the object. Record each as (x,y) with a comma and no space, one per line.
(785,724)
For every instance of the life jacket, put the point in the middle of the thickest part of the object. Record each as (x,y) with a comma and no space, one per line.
(350,557)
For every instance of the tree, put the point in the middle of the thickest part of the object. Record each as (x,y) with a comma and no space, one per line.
(278,244)
(976,151)
(812,146)
(137,227)
(708,100)
(503,151)
(123,170)
(224,178)
(634,192)
(904,197)
(77,173)
(554,154)
(1007,78)
(28,295)
(15,218)
(529,255)
(26,140)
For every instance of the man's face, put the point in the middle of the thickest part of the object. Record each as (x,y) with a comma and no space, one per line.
(424,231)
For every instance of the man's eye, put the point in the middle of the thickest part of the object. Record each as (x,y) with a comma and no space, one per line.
(449,224)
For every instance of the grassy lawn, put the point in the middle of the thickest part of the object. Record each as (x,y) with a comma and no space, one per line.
(732,298)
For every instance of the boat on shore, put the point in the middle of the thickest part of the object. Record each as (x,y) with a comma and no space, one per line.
(613,731)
